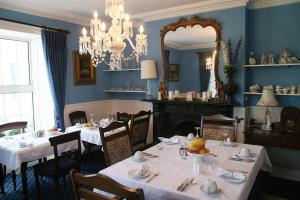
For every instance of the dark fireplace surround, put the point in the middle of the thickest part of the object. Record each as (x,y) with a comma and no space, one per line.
(167,114)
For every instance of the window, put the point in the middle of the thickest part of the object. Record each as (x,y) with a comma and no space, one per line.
(24,88)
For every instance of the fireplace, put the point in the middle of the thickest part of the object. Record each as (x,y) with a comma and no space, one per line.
(167,114)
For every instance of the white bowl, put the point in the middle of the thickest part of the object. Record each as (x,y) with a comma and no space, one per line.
(197,155)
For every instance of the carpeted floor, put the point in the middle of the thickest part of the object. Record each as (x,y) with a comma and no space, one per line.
(92,166)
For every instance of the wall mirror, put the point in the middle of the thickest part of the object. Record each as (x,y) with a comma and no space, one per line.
(190,50)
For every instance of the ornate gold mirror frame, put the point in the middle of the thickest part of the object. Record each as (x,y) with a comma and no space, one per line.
(195,20)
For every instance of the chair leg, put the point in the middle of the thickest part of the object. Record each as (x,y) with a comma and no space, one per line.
(37,184)
(64,180)
(2,178)
(13,176)
(56,184)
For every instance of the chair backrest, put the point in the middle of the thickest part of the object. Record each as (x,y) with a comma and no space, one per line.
(116,142)
(219,127)
(13,125)
(139,128)
(77,117)
(103,183)
(123,116)
(64,138)
(184,127)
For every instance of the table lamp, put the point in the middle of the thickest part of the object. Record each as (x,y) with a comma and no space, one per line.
(267,99)
(148,71)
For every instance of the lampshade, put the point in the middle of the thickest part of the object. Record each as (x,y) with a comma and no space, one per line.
(148,69)
(267,98)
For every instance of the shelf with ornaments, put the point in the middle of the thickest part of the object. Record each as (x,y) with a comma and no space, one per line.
(259,93)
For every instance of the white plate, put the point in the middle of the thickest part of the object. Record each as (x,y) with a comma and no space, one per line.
(216,192)
(230,179)
(132,173)
(140,160)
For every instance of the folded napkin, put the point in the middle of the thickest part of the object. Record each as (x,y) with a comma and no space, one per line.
(170,140)
(236,175)
(141,171)
(25,143)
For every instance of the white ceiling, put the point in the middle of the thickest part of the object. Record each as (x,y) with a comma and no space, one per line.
(194,37)
(80,11)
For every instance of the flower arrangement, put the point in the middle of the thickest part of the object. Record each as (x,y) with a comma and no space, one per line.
(230,58)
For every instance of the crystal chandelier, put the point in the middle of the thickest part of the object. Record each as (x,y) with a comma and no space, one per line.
(102,43)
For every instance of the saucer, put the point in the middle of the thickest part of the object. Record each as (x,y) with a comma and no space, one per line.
(132,174)
(212,193)
(139,160)
(245,157)
(231,179)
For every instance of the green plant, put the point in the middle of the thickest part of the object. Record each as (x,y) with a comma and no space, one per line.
(14,132)
(230,71)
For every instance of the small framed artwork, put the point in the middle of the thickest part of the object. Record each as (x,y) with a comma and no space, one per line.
(173,72)
(84,70)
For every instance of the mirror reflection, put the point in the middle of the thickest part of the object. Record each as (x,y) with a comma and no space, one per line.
(190,59)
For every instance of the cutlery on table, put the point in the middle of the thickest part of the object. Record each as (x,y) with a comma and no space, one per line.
(250,159)
(179,188)
(212,154)
(241,159)
(190,182)
(150,155)
(237,170)
(152,177)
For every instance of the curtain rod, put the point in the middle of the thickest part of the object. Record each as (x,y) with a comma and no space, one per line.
(35,25)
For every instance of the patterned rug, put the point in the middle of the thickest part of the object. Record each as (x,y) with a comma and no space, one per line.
(92,166)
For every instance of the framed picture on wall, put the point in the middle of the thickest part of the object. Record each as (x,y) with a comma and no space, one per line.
(173,72)
(84,70)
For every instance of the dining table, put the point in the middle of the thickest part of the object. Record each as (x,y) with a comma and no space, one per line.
(92,134)
(168,170)
(17,151)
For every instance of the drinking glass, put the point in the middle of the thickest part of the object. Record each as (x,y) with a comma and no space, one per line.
(161,144)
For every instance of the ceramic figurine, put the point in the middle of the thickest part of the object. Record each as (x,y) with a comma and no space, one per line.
(286,57)
(252,60)
(263,59)
(271,58)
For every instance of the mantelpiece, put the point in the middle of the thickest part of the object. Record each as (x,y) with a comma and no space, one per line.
(166,113)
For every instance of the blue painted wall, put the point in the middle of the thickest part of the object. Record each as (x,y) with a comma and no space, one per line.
(272,29)
(74,94)
(267,29)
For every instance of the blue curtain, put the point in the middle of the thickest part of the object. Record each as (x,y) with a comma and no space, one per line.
(55,52)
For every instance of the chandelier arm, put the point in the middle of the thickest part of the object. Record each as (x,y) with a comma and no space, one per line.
(129,40)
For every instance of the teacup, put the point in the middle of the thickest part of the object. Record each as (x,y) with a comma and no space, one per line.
(210,187)
(138,155)
(190,136)
(245,152)
(78,125)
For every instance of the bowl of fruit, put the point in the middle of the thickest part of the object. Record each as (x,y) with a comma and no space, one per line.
(197,148)
(89,125)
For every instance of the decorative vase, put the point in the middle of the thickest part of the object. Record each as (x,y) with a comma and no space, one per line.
(230,89)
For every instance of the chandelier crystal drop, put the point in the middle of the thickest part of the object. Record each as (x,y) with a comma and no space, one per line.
(111,42)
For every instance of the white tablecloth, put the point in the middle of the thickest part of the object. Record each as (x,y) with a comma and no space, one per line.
(91,135)
(173,170)
(11,155)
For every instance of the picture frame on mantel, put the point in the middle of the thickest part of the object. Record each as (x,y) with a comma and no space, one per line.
(84,70)
(173,72)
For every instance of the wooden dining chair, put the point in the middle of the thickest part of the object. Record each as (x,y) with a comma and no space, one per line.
(77,117)
(124,116)
(219,127)
(138,130)
(62,162)
(80,183)
(6,127)
(116,142)
(184,127)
